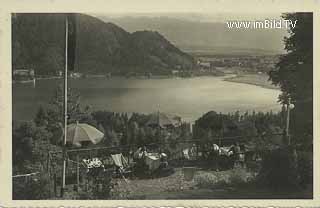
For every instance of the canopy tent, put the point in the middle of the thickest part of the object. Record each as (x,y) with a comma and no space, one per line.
(81,132)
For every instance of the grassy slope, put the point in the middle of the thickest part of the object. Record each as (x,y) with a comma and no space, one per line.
(174,187)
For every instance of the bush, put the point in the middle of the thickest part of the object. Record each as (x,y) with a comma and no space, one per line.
(240,176)
(85,195)
(235,177)
(279,169)
(33,188)
(103,187)
(209,180)
(99,186)
(305,168)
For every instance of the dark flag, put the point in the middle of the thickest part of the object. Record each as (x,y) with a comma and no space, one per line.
(72,37)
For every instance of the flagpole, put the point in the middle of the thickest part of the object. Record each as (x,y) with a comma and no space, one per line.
(65,108)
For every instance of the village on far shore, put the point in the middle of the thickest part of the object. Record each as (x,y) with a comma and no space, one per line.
(248,69)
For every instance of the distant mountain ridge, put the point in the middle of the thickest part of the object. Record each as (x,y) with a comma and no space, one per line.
(215,37)
(38,42)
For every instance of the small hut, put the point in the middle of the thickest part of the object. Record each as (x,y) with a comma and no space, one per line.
(163,120)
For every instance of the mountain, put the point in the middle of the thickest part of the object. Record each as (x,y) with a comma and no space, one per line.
(204,36)
(38,42)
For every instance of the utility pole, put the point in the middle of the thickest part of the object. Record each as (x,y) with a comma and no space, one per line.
(65,108)
(221,132)
(159,128)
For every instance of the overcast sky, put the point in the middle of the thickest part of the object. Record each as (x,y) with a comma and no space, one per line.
(197,17)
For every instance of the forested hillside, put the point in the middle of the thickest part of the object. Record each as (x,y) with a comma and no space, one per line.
(38,42)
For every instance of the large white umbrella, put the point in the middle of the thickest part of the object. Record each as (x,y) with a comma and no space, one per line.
(82,132)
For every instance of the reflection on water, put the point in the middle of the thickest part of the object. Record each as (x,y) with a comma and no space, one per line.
(188,98)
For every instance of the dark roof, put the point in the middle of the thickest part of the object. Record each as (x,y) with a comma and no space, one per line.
(163,120)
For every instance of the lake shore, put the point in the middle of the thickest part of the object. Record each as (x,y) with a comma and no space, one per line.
(260,80)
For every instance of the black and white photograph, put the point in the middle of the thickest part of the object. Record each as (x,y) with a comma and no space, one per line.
(162,106)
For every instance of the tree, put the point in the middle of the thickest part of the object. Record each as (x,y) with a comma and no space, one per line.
(33,189)
(124,138)
(74,109)
(41,117)
(53,60)
(141,137)
(293,73)
(50,116)
(27,148)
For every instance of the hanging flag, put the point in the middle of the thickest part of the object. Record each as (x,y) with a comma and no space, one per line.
(72,37)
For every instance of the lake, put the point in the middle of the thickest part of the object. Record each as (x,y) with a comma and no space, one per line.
(186,97)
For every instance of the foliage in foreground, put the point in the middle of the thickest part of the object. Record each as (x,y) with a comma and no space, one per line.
(286,168)
(294,75)
(33,188)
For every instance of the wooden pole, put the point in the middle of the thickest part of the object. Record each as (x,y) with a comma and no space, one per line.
(288,122)
(78,173)
(48,163)
(65,106)
(55,184)
(222,128)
